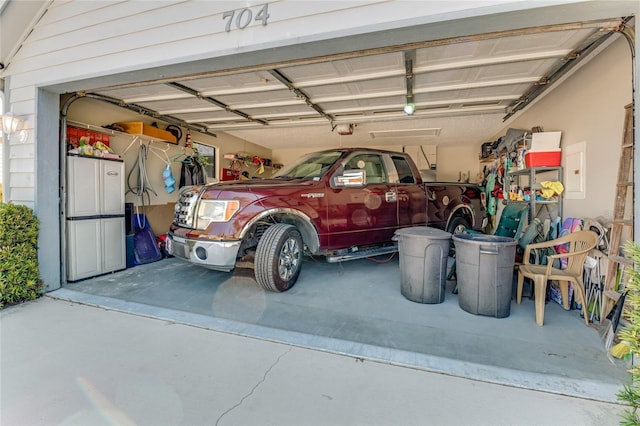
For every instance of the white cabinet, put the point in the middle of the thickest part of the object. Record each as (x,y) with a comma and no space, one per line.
(95,187)
(95,217)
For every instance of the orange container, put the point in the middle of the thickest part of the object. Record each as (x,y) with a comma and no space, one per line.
(139,128)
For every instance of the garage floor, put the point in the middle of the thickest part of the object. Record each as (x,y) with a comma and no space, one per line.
(356,308)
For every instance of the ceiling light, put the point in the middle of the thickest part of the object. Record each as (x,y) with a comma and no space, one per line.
(409,108)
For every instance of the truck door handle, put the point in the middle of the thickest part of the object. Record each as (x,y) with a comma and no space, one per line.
(390,197)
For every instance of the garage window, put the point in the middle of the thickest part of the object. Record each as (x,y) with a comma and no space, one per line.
(209,154)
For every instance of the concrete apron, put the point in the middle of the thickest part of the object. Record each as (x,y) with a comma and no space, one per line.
(356,309)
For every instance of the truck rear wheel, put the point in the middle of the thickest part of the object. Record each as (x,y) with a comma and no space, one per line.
(278,258)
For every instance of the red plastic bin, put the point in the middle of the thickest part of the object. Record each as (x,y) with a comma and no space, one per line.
(543,158)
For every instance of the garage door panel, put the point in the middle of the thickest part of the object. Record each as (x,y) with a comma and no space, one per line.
(513,70)
(257,98)
(314,74)
(281,111)
(363,104)
(138,94)
(235,83)
(469,95)
(195,117)
(556,43)
(177,106)
(531,69)
(541,41)
(372,88)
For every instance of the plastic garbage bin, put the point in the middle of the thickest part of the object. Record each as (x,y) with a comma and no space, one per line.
(485,273)
(423,263)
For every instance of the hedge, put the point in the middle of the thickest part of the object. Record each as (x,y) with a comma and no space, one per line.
(19,270)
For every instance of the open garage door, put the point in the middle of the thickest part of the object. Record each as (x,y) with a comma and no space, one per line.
(457,90)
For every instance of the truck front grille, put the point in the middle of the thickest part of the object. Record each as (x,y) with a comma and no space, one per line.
(185,208)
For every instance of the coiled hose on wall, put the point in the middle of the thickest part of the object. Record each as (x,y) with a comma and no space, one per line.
(142,186)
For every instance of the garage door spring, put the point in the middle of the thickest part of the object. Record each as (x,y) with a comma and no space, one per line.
(142,185)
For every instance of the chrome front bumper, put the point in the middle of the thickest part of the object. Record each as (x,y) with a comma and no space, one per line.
(218,255)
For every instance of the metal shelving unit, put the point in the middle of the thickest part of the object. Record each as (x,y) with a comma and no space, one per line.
(533,175)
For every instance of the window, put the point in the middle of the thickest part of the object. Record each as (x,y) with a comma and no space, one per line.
(209,154)
(404,171)
(371,164)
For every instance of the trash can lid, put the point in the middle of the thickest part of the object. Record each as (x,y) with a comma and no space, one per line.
(424,232)
(483,239)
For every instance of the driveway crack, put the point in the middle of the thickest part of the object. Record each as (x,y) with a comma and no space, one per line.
(261,381)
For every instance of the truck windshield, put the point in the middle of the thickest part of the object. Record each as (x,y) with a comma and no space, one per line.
(311,166)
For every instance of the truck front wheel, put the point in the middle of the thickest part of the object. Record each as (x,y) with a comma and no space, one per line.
(278,257)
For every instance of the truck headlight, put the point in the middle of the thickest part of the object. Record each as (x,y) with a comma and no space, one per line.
(215,211)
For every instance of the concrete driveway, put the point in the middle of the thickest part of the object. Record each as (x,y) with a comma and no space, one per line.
(356,308)
(66,363)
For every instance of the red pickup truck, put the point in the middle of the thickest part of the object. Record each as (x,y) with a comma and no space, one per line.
(343,203)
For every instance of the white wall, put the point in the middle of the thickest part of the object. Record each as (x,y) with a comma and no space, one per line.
(458,161)
(589,107)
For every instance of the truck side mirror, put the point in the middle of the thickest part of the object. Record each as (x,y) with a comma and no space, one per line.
(350,179)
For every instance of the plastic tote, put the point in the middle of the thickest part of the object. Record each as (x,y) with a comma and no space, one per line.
(485,273)
(423,263)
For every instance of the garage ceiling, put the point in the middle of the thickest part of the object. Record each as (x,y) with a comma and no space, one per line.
(462,89)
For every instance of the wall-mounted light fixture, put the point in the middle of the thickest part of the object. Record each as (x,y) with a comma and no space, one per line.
(12,124)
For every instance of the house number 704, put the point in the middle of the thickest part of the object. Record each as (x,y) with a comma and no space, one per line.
(244,17)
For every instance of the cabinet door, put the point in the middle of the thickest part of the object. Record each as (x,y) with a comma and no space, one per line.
(83,187)
(112,187)
(84,249)
(113,244)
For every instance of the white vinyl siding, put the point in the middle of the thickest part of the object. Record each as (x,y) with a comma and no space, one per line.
(1,141)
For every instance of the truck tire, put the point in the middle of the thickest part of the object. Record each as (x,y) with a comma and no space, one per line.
(457,225)
(278,258)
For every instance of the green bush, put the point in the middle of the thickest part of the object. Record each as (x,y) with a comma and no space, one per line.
(19,271)
(631,334)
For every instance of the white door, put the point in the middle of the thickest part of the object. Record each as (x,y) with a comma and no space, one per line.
(84,249)
(113,244)
(112,187)
(83,184)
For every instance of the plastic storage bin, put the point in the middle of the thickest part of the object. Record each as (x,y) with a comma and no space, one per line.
(423,263)
(485,273)
(543,159)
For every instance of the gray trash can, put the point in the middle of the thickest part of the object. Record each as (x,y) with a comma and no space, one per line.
(423,263)
(484,266)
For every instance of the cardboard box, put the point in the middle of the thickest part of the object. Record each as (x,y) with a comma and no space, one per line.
(139,128)
(543,158)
